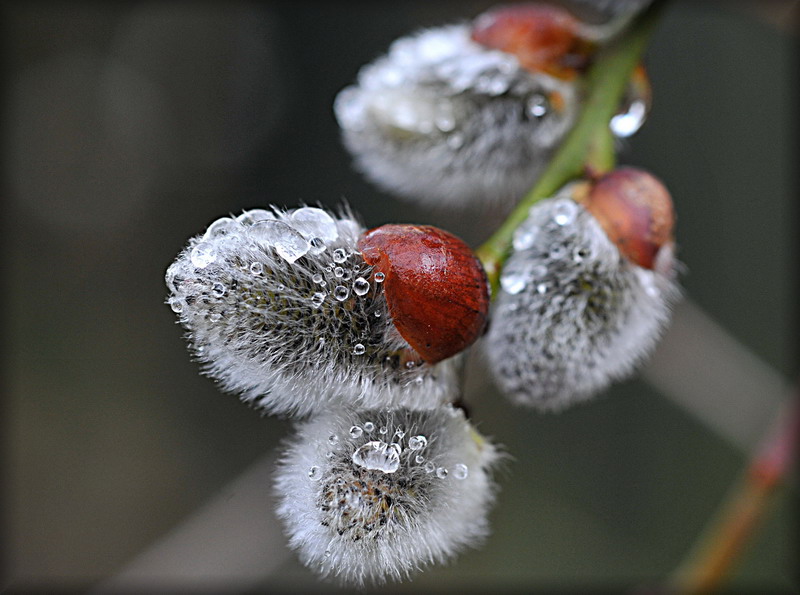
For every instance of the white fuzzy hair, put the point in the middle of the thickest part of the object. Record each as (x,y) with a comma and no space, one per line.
(278,336)
(360,525)
(443,120)
(573,315)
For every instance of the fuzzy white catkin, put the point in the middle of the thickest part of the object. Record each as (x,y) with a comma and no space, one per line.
(443,120)
(573,315)
(371,496)
(280,307)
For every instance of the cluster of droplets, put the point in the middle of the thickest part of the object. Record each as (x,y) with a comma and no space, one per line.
(440,118)
(374,494)
(281,307)
(573,314)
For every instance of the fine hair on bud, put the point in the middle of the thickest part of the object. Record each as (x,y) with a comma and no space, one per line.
(370,496)
(280,307)
(443,120)
(573,314)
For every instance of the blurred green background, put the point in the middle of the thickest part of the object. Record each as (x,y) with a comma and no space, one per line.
(128,127)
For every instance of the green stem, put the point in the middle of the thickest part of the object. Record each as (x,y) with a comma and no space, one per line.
(589,145)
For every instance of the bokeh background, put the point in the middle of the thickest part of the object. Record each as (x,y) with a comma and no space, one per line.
(128,126)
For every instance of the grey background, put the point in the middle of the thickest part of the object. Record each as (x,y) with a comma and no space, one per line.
(128,127)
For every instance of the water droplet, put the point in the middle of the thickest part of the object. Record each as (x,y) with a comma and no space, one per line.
(221,227)
(339,255)
(176,304)
(429,467)
(524,237)
(338,271)
(356,431)
(202,255)
(411,365)
(257,268)
(219,290)
(314,473)
(417,442)
(347,275)
(455,141)
(333,439)
(369,426)
(513,282)
(399,432)
(359,349)
(318,298)
(383,430)
(379,277)
(541,288)
(318,278)
(315,223)
(635,106)
(565,212)
(249,217)
(327,553)
(460,471)
(330,454)
(360,286)
(379,456)
(537,106)
(341,293)
(419,459)
(377,314)
(316,245)
(441,472)
(288,243)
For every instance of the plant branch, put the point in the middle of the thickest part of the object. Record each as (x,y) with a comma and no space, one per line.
(589,145)
(724,541)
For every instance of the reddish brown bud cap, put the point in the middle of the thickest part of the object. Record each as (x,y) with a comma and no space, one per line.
(635,210)
(436,290)
(543,37)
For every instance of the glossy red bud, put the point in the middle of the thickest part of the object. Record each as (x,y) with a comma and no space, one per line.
(435,287)
(635,210)
(543,37)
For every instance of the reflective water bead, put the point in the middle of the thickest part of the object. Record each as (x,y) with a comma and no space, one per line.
(460,471)
(419,459)
(537,106)
(286,240)
(316,246)
(341,293)
(318,298)
(347,275)
(333,439)
(203,254)
(377,313)
(317,278)
(383,430)
(360,286)
(378,455)
(369,426)
(356,432)
(339,255)
(379,277)
(257,268)
(315,223)
(541,288)
(441,473)
(176,304)
(417,442)
(220,227)
(513,282)
(314,473)
(249,217)
(338,271)
(565,212)
(359,349)
(219,290)
(429,467)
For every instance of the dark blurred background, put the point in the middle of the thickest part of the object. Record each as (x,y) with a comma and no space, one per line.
(129,126)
